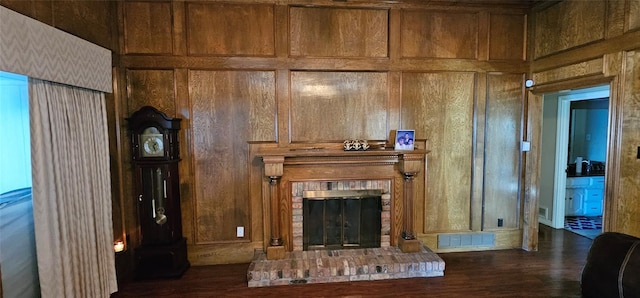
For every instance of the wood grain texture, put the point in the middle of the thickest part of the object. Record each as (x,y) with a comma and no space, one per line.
(568,24)
(151,88)
(433,34)
(628,213)
(39,10)
(230,29)
(531,181)
(507,36)
(338,32)
(337,106)
(502,171)
(439,106)
(633,17)
(148,27)
(615,18)
(89,20)
(586,68)
(229,108)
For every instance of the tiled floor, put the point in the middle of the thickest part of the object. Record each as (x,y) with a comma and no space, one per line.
(583,222)
(589,227)
(323,266)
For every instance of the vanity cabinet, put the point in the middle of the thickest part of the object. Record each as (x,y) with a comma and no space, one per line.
(584,196)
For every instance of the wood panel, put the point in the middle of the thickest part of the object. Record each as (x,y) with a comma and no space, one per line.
(506,37)
(634,15)
(147,27)
(229,108)
(89,20)
(569,24)
(230,29)
(39,10)
(591,67)
(439,106)
(151,88)
(433,34)
(336,106)
(628,211)
(502,150)
(338,32)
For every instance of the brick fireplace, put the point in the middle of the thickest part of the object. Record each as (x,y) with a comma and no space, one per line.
(290,172)
(287,171)
(297,196)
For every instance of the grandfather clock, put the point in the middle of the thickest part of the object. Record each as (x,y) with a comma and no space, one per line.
(155,155)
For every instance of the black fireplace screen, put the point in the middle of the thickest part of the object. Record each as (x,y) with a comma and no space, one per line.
(337,219)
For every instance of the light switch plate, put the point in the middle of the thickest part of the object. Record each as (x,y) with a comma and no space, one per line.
(240,232)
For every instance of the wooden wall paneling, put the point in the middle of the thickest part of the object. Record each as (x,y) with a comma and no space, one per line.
(148,28)
(114,121)
(395,44)
(179,32)
(502,170)
(229,108)
(283,99)
(187,195)
(615,18)
(89,20)
(336,106)
(628,213)
(478,151)
(507,36)
(439,34)
(633,15)
(586,68)
(614,150)
(230,29)
(483,36)
(440,107)
(281,30)
(39,10)
(569,24)
(395,94)
(338,32)
(151,88)
(531,179)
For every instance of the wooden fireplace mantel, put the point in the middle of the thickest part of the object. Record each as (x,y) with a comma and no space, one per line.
(283,165)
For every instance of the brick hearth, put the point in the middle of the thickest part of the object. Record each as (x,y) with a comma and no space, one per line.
(323,266)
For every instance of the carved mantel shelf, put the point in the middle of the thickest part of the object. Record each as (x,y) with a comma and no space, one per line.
(334,156)
(282,165)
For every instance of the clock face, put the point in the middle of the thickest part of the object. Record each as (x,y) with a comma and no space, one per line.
(152,146)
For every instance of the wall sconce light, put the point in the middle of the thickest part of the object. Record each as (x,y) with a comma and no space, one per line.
(118,246)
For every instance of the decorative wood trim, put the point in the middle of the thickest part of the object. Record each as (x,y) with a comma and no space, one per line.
(284,165)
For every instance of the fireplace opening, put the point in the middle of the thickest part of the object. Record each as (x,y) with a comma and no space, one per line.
(340,219)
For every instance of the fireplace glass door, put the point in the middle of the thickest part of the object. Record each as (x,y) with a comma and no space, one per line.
(341,219)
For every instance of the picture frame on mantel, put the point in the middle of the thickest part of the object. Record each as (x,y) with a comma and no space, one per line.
(404,139)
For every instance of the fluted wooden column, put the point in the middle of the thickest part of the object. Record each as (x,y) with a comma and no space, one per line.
(273,169)
(409,165)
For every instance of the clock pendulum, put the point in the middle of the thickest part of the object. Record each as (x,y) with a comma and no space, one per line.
(155,153)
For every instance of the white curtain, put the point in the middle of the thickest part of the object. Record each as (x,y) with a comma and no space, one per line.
(71,191)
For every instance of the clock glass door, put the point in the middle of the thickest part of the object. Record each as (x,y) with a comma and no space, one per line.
(153,206)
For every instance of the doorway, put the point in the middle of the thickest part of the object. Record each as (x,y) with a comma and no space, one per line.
(574,148)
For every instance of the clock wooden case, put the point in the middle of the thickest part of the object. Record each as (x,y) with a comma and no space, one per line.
(155,155)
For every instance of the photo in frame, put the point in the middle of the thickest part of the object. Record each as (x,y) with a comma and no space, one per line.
(404,139)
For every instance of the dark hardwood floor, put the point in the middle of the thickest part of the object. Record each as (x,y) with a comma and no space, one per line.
(553,271)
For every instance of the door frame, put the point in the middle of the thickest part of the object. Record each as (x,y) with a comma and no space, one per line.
(562,143)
